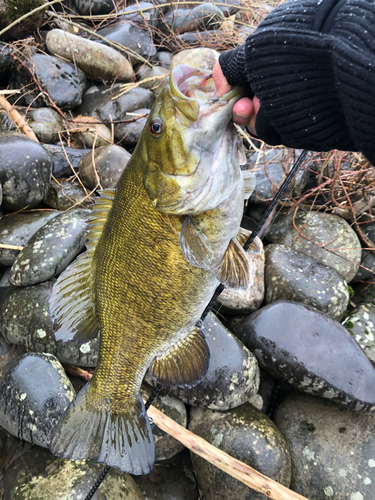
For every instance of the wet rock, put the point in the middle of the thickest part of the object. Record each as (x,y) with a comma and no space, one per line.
(132,37)
(106,103)
(64,193)
(230,7)
(25,321)
(65,160)
(97,61)
(202,17)
(271,167)
(17,229)
(34,393)
(246,301)
(152,79)
(363,292)
(327,238)
(13,10)
(165,445)
(38,475)
(144,14)
(9,447)
(291,275)
(94,7)
(109,163)
(246,434)
(89,132)
(164,57)
(197,58)
(332,449)
(367,271)
(6,61)
(25,171)
(361,324)
(311,352)
(6,124)
(128,133)
(233,374)
(51,249)
(46,123)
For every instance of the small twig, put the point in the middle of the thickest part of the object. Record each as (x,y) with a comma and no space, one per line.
(17,119)
(10,247)
(78,372)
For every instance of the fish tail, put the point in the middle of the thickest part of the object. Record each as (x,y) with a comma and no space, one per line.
(89,430)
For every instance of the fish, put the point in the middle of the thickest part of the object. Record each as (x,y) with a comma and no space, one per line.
(157,247)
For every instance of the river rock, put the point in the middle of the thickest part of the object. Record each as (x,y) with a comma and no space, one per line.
(6,125)
(164,58)
(246,434)
(106,103)
(38,475)
(97,61)
(361,324)
(109,163)
(246,301)
(363,292)
(10,446)
(46,123)
(327,238)
(51,249)
(65,160)
(312,352)
(94,7)
(6,60)
(232,377)
(34,394)
(202,17)
(25,321)
(145,14)
(128,133)
(157,83)
(89,132)
(332,449)
(64,194)
(292,275)
(197,58)
(25,171)
(17,229)
(366,270)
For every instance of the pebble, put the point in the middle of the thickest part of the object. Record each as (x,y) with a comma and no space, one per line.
(64,194)
(361,324)
(89,132)
(65,160)
(128,134)
(202,58)
(312,352)
(46,123)
(107,167)
(94,7)
(332,449)
(157,84)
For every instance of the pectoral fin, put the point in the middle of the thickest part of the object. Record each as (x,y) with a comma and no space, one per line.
(195,246)
(235,270)
(185,364)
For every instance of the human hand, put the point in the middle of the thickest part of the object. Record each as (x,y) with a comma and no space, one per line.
(245,110)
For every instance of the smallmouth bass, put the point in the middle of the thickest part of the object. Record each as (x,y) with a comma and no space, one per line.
(157,248)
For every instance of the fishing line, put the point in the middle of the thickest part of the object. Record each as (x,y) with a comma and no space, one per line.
(219,289)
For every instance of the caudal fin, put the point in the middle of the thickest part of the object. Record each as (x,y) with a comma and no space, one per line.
(123,440)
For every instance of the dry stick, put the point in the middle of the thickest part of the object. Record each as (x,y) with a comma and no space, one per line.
(10,247)
(17,119)
(222,460)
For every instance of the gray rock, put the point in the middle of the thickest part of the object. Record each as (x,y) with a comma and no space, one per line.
(46,124)
(363,292)
(327,238)
(38,475)
(145,14)
(332,449)
(65,160)
(246,434)
(17,229)
(232,377)
(25,171)
(89,132)
(311,352)
(34,394)
(361,324)
(10,446)
(156,85)
(164,57)
(6,61)
(94,7)
(51,249)
(129,133)
(6,125)
(64,194)
(292,275)
(366,270)
(103,102)
(109,163)
(202,17)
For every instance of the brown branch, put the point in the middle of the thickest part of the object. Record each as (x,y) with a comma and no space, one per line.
(17,119)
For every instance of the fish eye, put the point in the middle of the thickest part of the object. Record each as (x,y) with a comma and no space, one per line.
(156,126)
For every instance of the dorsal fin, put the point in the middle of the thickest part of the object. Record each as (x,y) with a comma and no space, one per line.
(72,301)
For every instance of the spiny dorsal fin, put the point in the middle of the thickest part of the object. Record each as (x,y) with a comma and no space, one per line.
(249,182)
(195,246)
(185,364)
(235,270)
(72,301)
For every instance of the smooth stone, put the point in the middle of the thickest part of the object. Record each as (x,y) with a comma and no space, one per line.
(65,160)
(327,238)
(158,83)
(205,16)
(361,324)
(232,377)
(366,270)
(332,449)
(64,194)
(231,7)
(25,171)
(17,229)
(109,163)
(94,7)
(270,167)
(235,301)
(132,37)
(201,58)
(46,123)
(6,125)
(166,446)
(34,394)
(246,434)
(51,249)
(97,61)
(164,58)
(294,276)
(145,14)
(63,81)
(312,352)
(128,134)
(89,132)
(38,475)
(105,103)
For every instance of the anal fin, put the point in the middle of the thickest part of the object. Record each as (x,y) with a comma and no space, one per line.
(185,364)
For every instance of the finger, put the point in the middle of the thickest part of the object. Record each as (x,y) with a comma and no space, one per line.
(243,110)
(251,124)
(222,86)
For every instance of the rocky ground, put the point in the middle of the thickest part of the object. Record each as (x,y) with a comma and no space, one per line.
(291,385)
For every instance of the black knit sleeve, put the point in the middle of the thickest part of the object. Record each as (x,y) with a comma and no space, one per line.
(232,64)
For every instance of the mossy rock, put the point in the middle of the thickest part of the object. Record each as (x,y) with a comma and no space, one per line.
(10,10)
